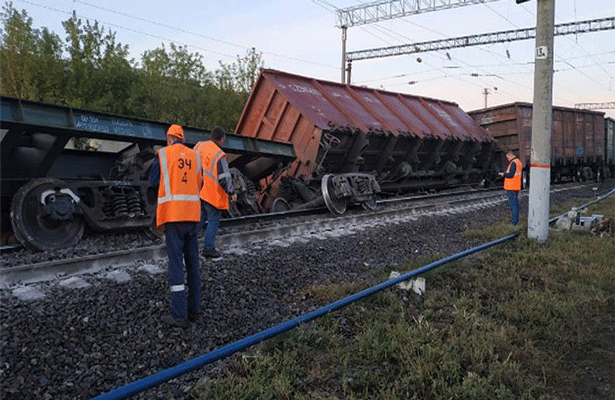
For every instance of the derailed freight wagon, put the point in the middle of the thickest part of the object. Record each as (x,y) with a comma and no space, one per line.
(51,191)
(578,139)
(354,142)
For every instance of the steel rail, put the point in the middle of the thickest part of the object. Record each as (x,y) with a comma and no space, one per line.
(49,270)
(242,344)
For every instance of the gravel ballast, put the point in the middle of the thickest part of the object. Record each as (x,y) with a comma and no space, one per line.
(76,343)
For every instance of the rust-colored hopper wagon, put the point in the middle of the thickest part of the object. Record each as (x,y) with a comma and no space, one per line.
(353,142)
(579,140)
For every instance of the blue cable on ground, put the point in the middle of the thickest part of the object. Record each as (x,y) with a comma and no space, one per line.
(231,348)
(606,194)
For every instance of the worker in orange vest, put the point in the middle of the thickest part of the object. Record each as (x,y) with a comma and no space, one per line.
(176,170)
(512,185)
(217,186)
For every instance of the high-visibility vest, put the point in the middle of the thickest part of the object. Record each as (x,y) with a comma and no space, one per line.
(514,183)
(212,192)
(180,182)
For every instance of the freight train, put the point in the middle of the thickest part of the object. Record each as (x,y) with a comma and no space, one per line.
(300,142)
(581,140)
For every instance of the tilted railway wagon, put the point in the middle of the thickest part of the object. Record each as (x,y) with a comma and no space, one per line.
(50,191)
(579,148)
(352,142)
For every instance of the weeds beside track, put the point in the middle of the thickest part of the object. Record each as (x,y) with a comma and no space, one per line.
(521,321)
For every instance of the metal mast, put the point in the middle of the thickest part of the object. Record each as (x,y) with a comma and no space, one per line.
(388,9)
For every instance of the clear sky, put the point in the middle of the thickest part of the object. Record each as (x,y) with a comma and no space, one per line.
(300,36)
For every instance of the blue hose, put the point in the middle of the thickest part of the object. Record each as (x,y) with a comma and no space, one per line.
(231,348)
(606,194)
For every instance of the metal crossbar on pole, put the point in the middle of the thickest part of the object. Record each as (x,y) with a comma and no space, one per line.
(569,28)
(225,351)
(595,106)
(384,10)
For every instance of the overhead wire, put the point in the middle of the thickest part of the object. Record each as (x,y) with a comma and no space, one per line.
(581,47)
(174,28)
(448,56)
(555,55)
(456,76)
(561,59)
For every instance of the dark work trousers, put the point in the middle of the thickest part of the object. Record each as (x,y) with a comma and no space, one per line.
(210,215)
(513,204)
(182,245)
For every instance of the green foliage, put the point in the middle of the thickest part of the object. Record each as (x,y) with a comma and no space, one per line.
(29,59)
(175,82)
(241,75)
(91,70)
(99,76)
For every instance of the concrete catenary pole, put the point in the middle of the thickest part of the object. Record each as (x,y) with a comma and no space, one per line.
(542,121)
(344,34)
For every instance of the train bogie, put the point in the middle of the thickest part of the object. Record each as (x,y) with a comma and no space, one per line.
(51,190)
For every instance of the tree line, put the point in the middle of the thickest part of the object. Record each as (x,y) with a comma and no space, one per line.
(90,69)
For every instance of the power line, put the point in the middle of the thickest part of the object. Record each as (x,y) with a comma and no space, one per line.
(175,29)
(474,67)
(458,76)
(559,57)
(481,39)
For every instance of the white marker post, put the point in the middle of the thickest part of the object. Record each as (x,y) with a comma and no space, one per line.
(542,122)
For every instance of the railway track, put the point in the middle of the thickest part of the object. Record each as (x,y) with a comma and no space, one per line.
(279,229)
(83,339)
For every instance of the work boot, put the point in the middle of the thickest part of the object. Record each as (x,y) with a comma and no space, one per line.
(171,320)
(211,253)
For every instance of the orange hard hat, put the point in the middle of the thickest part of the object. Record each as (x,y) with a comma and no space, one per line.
(176,131)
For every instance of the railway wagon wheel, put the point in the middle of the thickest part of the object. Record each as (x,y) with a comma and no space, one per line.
(43,218)
(369,205)
(337,205)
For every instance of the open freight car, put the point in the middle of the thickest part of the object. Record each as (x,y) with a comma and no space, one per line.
(353,142)
(579,140)
(50,191)
(609,142)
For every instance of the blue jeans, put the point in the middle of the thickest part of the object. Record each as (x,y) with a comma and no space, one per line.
(210,215)
(183,246)
(513,204)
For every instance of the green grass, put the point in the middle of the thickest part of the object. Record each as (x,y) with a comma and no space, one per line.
(519,321)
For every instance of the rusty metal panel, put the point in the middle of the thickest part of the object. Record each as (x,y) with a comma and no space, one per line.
(577,135)
(412,124)
(328,104)
(609,136)
(339,128)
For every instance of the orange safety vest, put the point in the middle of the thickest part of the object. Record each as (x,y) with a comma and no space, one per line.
(180,181)
(514,183)
(212,192)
